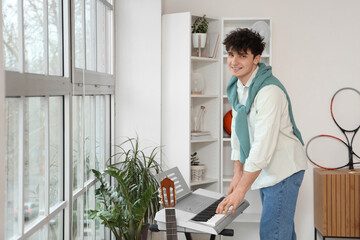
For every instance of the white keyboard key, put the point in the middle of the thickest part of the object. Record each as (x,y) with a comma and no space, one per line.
(214,220)
(217,218)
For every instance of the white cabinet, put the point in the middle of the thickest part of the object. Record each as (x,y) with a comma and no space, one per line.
(252,213)
(180,106)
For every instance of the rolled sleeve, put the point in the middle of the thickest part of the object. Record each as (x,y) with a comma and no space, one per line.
(268,105)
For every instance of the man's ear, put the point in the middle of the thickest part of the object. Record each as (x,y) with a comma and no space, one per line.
(257,59)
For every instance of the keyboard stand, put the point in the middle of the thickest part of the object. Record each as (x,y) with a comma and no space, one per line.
(225,232)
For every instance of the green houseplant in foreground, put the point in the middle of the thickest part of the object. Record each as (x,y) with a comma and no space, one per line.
(127,206)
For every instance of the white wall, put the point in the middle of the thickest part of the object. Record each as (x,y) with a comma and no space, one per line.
(138,70)
(2,136)
(316,51)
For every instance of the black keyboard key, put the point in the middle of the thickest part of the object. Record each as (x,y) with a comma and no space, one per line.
(208,212)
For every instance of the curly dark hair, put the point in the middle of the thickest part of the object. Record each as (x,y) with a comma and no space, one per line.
(242,39)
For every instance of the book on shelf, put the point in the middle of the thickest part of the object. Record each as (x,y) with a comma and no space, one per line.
(200,133)
(213,43)
(197,135)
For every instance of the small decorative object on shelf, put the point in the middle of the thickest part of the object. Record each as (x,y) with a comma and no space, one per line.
(199,30)
(198,120)
(263,29)
(197,169)
(197,83)
(194,159)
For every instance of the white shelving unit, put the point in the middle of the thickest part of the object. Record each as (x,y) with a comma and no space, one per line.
(179,106)
(253,212)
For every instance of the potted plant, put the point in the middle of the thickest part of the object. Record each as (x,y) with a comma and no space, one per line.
(197,169)
(130,203)
(199,30)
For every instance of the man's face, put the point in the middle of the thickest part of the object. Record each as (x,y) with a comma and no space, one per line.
(242,65)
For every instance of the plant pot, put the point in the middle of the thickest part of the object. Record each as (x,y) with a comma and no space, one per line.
(198,172)
(199,37)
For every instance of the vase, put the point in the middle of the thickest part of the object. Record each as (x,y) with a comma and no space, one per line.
(199,37)
(197,83)
(198,172)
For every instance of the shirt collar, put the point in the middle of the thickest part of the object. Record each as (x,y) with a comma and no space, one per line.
(250,79)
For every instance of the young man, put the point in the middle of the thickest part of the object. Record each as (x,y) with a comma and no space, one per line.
(266,145)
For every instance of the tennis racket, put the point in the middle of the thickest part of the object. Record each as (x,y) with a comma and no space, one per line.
(348,121)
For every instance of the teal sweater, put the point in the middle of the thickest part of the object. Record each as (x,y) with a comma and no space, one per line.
(263,78)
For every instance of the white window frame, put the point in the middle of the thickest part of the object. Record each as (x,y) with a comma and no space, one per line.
(2,133)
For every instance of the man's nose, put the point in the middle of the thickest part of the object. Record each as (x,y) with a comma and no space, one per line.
(234,60)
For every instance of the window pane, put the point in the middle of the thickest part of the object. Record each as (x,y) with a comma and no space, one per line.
(101,40)
(108,133)
(55,36)
(10,34)
(77,141)
(79,35)
(109,40)
(12,159)
(89,224)
(34,158)
(56,227)
(100,132)
(77,219)
(89,136)
(34,36)
(56,149)
(39,235)
(90,6)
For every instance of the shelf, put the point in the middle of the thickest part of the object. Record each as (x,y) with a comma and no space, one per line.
(248,217)
(204,140)
(204,95)
(227,178)
(204,59)
(205,181)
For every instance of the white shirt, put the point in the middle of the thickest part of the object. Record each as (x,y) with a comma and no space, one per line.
(274,148)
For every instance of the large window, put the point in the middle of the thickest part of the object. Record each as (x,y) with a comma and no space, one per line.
(58,115)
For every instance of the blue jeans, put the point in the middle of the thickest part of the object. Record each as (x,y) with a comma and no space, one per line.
(279,203)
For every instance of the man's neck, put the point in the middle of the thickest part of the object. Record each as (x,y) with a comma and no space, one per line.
(245,80)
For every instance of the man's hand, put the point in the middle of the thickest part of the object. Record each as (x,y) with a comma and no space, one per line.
(233,200)
(238,193)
